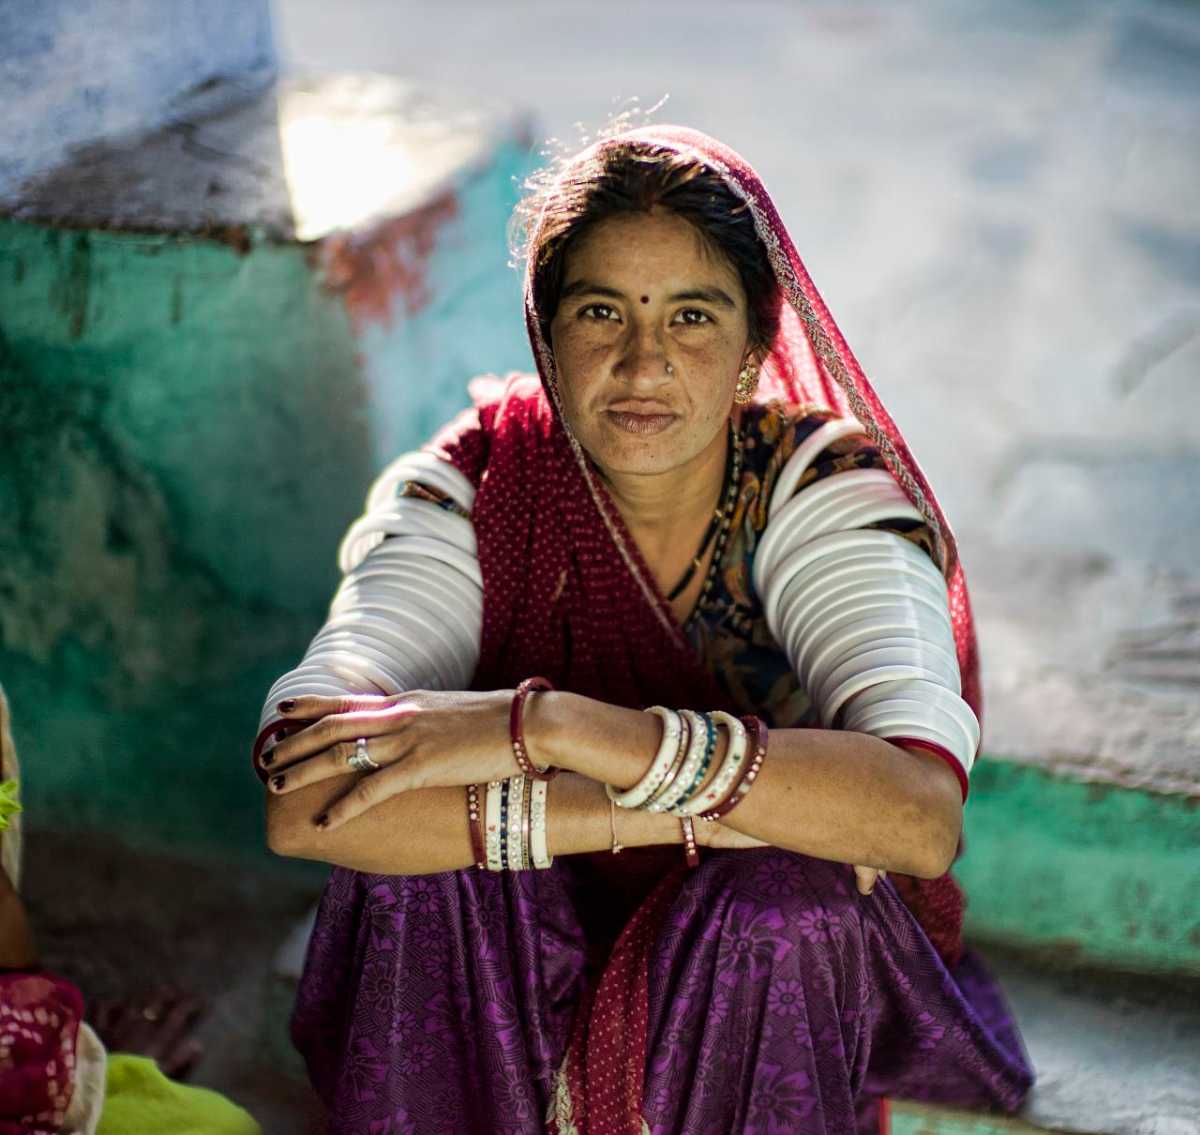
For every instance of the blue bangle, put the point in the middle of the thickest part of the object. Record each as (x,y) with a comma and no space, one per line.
(710,747)
(504,825)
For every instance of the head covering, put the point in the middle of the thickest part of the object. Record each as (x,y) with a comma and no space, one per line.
(567,593)
(810,362)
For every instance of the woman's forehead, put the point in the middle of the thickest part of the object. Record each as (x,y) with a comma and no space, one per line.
(638,251)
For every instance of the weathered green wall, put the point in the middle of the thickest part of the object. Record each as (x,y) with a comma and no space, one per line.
(1091,873)
(183,441)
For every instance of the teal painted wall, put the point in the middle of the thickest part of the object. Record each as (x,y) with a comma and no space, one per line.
(183,431)
(1086,872)
(187,429)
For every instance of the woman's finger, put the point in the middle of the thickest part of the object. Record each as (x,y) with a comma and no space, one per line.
(369,791)
(330,730)
(335,761)
(865,877)
(318,705)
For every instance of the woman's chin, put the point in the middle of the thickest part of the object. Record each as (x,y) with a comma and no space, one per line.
(626,455)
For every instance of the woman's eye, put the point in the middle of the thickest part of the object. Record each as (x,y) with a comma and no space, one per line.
(603,307)
(704,317)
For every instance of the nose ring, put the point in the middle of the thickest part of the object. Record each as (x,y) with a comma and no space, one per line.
(670,369)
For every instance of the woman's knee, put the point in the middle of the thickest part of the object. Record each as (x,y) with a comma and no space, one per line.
(805,903)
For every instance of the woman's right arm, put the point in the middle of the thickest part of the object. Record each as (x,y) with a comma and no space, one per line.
(426,831)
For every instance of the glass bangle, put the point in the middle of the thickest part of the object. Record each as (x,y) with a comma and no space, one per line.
(653,777)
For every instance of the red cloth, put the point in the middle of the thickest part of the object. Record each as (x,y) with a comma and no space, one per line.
(567,594)
(39,1024)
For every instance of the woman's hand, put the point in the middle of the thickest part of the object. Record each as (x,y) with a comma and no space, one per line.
(710,834)
(718,836)
(866,876)
(422,739)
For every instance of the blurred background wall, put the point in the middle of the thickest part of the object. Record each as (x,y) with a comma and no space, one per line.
(250,252)
(227,299)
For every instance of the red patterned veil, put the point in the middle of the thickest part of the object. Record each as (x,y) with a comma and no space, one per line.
(811,362)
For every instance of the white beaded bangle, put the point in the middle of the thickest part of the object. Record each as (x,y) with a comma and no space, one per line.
(652,779)
(491,841)
(720,784)
(516,799)
(681,753)
(671,792)
(537,826)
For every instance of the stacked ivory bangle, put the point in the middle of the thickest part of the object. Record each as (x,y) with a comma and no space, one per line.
(862,614)
(672,782)
(514,824)
(409,611)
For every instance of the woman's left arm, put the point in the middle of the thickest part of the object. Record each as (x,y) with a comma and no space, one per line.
(833,794)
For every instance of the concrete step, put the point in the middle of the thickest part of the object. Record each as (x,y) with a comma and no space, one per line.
(1087,871)
(1114,1055)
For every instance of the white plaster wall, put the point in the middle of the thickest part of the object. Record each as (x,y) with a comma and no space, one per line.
(75,71)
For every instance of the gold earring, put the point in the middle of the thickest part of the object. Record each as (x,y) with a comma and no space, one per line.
(747,384)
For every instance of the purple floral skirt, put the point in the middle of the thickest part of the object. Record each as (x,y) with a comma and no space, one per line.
(781,1001)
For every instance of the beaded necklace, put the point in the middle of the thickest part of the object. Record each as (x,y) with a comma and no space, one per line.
(720,522)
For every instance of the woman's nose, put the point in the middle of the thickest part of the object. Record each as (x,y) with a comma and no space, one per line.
(645,358)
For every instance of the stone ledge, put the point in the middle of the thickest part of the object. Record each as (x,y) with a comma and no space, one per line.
(1113,1055)
(305,158)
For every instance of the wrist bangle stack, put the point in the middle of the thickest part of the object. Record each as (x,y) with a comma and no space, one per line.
(659,768)
(517,732)
(732,765)
(509,832)
(692,773)
(691,748)
(757,728)
(674,782)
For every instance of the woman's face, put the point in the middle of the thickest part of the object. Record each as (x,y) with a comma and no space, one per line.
(639,292)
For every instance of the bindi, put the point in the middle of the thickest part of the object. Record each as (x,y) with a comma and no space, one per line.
(645,299)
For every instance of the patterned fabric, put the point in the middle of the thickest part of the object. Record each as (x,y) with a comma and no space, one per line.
(781,1002)
(39,1023)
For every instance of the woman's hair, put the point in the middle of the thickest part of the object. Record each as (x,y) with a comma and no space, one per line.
(633,177)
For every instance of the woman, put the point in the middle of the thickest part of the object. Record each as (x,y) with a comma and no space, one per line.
(481,963)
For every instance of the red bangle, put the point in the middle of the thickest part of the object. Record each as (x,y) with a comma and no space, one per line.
(937,750)
(475,820)
(758,729)
(690,854)
(516,728)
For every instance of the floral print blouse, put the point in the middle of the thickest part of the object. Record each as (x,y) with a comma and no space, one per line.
(727,627)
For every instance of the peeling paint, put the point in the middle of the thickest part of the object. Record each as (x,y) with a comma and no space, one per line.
(386,266)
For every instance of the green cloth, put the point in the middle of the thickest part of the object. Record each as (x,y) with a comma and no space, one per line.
(8,802)
(140,1100)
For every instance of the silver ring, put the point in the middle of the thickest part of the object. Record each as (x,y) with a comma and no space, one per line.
(361,760)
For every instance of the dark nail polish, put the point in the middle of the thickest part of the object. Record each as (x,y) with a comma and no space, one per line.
(279,735)
(287,705)
(277,782)
(268,757)
(322,821)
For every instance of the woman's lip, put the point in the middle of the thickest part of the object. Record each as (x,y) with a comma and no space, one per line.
(640,423)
